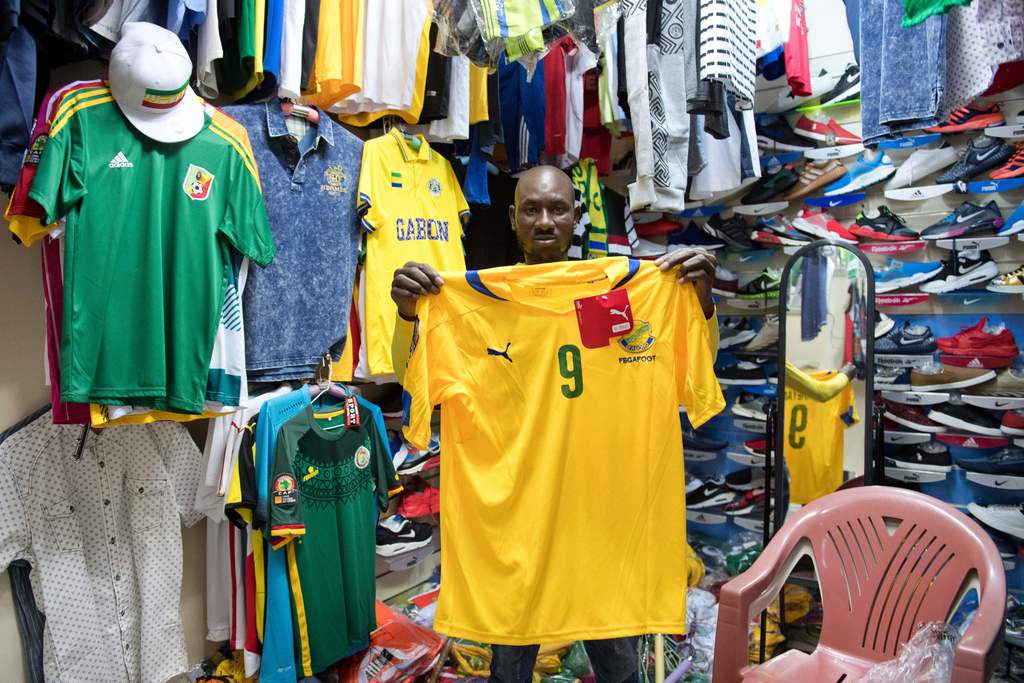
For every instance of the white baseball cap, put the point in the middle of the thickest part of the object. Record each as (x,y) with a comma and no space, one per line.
(149,75)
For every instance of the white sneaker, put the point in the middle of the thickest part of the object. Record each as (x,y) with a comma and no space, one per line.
(787,101)
(1006,518)
(648,249)
(921,164)
(969,268)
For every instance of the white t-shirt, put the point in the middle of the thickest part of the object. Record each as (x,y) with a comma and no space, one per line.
(208,50)
(289,80)
(577,63)
(456,125)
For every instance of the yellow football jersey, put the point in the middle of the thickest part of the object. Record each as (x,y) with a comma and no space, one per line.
(562,492)
(412,208)
(338,63)
(814,440)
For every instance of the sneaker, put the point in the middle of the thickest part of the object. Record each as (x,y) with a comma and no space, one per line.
(420,503)
(928,457)
(911,417)
(822,84)
(965,418)
(1013,423)
(814,176)
(746,479)
(765,286)
(767,336)
(982,154)
(883,324)
(848,86)
(922,163)
(725,283)
(971,117)
(823,128)
(968,219)
(1006,518)
(746,504)
(771,185)
(692,483)
(976,361)
(743,373)
(779,231)
(1007,383)
(1008,283)
(648,249)
(975,441)
(892,379)
(1009,461)
(962,269)
(694,442)
(692,237)
(885,226)
(980,339)
(415,460)
(896,274)
(907,339)
(1014,223)
(712,492)
(1014,167)
(397,535)
(935,377)
(734,231)
(734,331)
(774,135)
(821,224)
(869,168)
(750,406)
(755,447)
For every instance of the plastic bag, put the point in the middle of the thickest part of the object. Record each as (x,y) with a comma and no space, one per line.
(701,624)
(518,34)
(458,34)
(399,651)
(925,658)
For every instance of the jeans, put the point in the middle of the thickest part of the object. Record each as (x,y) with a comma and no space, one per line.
(903,70)
(613,660)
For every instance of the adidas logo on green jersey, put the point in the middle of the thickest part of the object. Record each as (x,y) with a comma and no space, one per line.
(120,161)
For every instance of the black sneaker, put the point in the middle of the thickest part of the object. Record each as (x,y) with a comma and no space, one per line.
(775,135)
(750,406)
(968,219)
(735,331)
(928,457)
(764,286)
(746,479)
(962,269)
(907,339)
(1008,461)
(734,231)
(693,442)
(771,185)
(847,88)
(982,154)
(712,493)
(742,373)
(886,226)
(965,418)
(397,535)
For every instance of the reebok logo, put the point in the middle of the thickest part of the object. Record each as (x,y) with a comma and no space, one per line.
(120,161)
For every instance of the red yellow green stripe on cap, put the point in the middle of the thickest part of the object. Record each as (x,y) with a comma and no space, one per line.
(163,99)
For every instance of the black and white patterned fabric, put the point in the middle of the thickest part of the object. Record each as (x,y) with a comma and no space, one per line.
(728,40)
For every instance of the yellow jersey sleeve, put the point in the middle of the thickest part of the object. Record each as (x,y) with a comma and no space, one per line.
(477,94)
(696,386)
(430,373)
(461,205)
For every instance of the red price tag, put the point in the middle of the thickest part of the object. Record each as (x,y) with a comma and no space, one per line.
(351,413)
(602,317)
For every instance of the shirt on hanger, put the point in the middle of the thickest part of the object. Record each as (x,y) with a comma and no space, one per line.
(455,124)
(477,94)
(337,68)
(103,535)
(522,113)
(554,95)
(534,453)
(209,50)
(290,76)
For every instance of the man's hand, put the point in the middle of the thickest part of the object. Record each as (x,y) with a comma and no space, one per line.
(696,266)
(412,281)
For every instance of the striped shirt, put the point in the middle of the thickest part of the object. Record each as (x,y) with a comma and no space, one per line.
(728,38)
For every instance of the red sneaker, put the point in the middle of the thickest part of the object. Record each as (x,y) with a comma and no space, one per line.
(911,417)
(420,503)
(755,447)
(988,362)
(1013,168)
(972,441)
(980,340)
(745,505)
(824,129)
(821,224)
(1013,422)
(971,117)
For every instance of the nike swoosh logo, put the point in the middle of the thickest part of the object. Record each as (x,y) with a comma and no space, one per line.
(961,219)
(997,482)
(1000,404)
(744,259)
(968,302)
(991,150)
(832,203)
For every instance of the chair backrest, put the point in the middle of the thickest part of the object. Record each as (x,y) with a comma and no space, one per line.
(890,561)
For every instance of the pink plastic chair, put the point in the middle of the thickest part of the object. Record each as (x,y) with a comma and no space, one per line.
(888,561)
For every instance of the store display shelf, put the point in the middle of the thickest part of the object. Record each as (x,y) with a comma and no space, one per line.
(973,441)
(761,390)
(747,459)
(989,186)
(705,518)
(700,456)
(892,248)
(751,304)
(766,354)
(997,481)
(835,200)
(760,209)
(910,141)
(751,523)
(751,256)
(970,297)
(781,159)
(907,438)
(916,398)
(749,425)
(985,242)
(900,300)
(701,211)
(828,105)
(914,476)
(918,194)
(837,152)
(902,360)
(406,561)
(1011,131)
(994,402)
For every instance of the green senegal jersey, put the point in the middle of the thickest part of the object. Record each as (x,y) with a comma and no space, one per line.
(327,486)
(150,231)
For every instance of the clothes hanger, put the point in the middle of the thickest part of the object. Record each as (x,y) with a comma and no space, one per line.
(300,111)
(393,122)
(323,386)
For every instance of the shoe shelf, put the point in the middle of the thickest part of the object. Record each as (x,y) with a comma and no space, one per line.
(907,438)
(769,353)
(916,398)
(751,523)
(701,211)
(749,425)
(970,297)
(1003,482)
(919,194)
(914,476)
(781,159)
(892,248)
(700,456)
(753,256)
(748,459)
(837,152)
(903,360)
(1011,131)
(910,141)
(705,518)
(835,200)
(828,105)
(761,389)
(751,304)
(760,209)
(972,243)
(994,402)
(988,186)
(901,300)
(407,560)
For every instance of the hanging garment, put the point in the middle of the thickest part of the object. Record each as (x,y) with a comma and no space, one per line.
(290,75)
(518,24)
(338,63)
(209,50)
(590,236)
(728,34)
(455,124)
(522,113)
(578,62)
(507,342)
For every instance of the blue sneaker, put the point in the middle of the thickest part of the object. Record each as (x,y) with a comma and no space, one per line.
(896,274)
(692,236)
(868,169)
(693,442)
(1009,461)
(1014,222)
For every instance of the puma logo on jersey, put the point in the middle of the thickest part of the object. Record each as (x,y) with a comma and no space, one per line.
(503,354)
(624,312)
(120,161)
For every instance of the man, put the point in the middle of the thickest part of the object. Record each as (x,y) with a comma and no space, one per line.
(543,218)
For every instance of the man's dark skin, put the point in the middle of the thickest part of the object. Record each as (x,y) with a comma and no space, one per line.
(543,218)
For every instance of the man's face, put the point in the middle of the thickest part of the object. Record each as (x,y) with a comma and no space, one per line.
(543,216)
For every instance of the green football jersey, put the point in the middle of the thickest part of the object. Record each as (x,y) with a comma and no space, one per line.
(150,232)
(327,486)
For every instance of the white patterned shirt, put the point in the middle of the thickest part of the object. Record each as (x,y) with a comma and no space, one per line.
(103,535)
